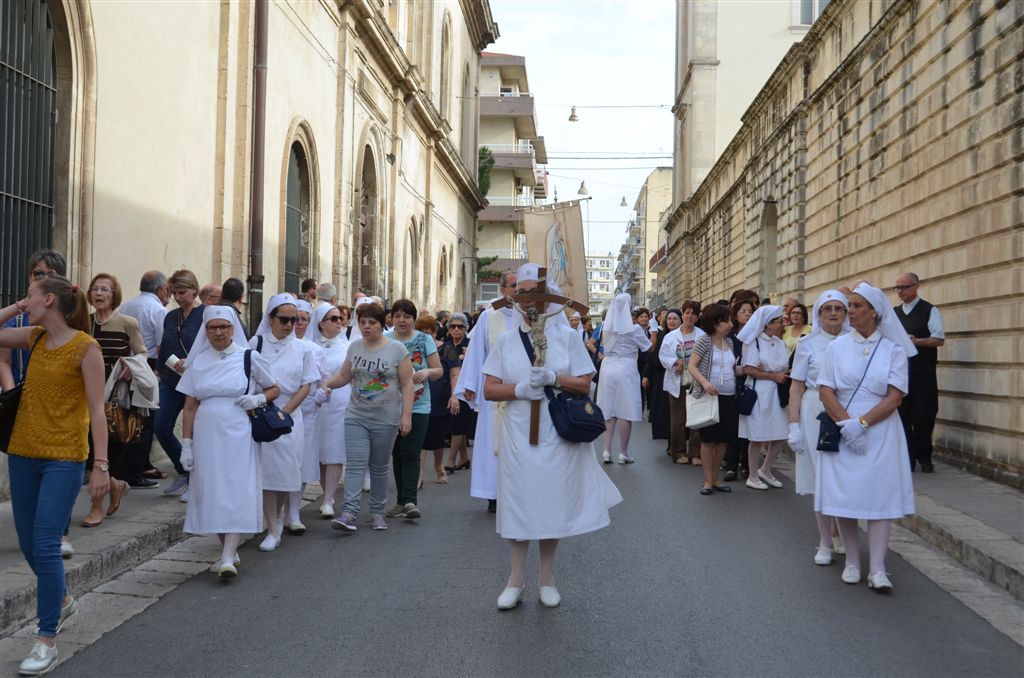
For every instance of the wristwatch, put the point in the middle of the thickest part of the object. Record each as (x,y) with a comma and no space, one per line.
(101,465)
(558,382)
(864,423)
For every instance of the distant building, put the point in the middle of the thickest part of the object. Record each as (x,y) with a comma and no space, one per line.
(644,237)
(600,281)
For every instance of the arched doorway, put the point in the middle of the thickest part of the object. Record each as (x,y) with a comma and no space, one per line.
(368,280)
(28,129)
(297,220)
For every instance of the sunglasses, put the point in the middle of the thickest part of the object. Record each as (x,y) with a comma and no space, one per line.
(456,327)
(286,319)
(334,318)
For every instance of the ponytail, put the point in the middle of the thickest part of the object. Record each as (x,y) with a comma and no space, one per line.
(71,301)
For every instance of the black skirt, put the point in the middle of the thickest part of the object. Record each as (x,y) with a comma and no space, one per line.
(728,422)
(658,410)
(437,432)
(464,423)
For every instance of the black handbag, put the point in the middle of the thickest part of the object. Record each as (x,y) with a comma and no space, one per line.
(746,398)
(9,401)
(784,386)
(576,417)
(829,432)
(269,422)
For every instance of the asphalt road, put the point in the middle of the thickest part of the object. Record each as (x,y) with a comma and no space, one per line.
(679,584)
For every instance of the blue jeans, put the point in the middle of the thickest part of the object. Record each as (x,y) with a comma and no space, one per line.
(171,404)
(367,444)
(43,492)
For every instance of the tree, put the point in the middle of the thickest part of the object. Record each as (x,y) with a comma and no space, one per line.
(485,163)
(482,270)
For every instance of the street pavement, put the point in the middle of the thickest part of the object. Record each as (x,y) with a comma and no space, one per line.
(679,584)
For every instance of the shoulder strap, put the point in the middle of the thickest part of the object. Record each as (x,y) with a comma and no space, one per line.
(528,346)
(248,369)
(259,343)
(865,373)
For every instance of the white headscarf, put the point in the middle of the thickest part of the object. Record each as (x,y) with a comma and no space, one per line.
(824,298)
(755,326)
(619,321)
(202,342)
(313,331)
(888,324)
(307,308)
(531,272)
(275,301)
(579,328)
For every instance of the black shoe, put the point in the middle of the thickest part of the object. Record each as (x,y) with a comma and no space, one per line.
(730,476)
(927,467)
(492,505)
(722,488)
(706,491)
(143,483)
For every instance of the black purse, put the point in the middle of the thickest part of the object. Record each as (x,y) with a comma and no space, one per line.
(576,417)
(829,432)
(10,400)
(269,422)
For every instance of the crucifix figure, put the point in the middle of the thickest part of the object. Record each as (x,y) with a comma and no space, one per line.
(534,305)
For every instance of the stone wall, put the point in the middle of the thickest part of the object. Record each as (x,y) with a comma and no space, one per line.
(889,140)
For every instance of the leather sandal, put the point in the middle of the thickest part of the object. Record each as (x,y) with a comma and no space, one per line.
(115,501)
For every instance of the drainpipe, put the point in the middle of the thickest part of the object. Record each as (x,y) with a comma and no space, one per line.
(259,116)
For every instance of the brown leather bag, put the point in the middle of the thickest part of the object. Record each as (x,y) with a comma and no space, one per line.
(123,425)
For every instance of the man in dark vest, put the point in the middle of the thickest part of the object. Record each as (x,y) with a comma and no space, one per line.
(923,323)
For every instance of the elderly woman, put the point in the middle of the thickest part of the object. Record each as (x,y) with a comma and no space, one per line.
(805,405)
(61,402)
(310,419)
(293,369)
(674,355)
(618,390)
(326,332)
(463,416)
(380,371)
(554,489)
(797,326)
(119,337)
(181,327)
(862,381)
(218,449)
(766,362)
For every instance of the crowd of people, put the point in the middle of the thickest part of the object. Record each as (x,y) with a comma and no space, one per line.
(372,387)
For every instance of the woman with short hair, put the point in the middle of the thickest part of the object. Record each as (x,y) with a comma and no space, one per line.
(675,356)
(218,449)
(766,362)
(862,382)
(798,326)
(743,305)
(463,422)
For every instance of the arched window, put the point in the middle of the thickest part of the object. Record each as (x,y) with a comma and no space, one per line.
(442,276)
(413,265)
(446,67)
(370,279)
(28,121)
(297,220)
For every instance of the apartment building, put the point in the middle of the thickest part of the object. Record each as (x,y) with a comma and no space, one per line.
(600,281)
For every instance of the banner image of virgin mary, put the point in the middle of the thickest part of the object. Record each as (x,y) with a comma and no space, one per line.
(558,255)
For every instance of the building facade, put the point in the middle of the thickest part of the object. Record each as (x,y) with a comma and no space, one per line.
(887,141)
(369,157)
(508,130)
(600,281)
(644,237)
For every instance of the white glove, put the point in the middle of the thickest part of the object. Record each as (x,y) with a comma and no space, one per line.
(542,376)
(251,402)
(795,439)
(188,457)
(853,436)
(524,391)
(322,395)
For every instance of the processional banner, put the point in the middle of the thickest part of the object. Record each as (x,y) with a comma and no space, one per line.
(554,239)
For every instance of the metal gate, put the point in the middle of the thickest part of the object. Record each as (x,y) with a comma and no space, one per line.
(28,117)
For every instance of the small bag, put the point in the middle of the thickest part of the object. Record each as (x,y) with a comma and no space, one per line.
(746,399)
(9,401)
(269,422)
(703,412)
(123,425)
(829,432)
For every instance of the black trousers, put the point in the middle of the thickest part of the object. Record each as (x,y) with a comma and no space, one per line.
(918,412)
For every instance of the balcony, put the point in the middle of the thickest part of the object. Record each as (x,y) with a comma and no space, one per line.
(659,261)
(519,107)
(520,158)
(503,207)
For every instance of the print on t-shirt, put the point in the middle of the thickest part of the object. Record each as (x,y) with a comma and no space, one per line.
(370,377)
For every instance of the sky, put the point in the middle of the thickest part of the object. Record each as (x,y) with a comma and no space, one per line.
(597,53)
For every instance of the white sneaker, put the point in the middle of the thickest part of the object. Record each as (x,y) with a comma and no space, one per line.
(851,575)
(215,568)
(295,528)
(510,597)
(66,612)
(756,484)
(606,457)
(549,596)
(227,571)
(625,458)
(66,549)
(823,556)
(270,542)
(42,659)
(327,511)
(838,547)
(880,582)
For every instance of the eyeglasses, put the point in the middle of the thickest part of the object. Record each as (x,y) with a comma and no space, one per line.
(216,329)
(900,288)
(102,289)
(286,319)
(832,309)
(456,327)
(38,274)
(334,318)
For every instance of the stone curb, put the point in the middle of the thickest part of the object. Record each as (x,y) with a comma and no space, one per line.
(130,543)
(982,549)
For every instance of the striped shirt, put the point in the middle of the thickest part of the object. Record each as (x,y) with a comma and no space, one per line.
(118,337)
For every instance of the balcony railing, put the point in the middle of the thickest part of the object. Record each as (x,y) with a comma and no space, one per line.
(521,148)
(658,261)
(525,200)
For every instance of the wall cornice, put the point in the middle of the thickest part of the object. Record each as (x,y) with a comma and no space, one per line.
(480,22)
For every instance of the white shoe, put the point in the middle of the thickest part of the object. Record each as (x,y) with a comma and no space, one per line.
(510,597)
(756,484)
(838,547)
(66,550)
(295,528)
(270,542)
(215,568)
(606,457)
(42,659)
(851,575)
(366,482)
(184,495)
(880,582)
(774,482)
(823,556)
(625,458)
(66,612)
(327,511)
(549,596)
(227,571)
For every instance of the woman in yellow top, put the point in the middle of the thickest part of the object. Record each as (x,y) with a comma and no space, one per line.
(797,327)
(62,396)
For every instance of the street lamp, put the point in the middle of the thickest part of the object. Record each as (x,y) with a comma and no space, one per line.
(584,192)
(572,115)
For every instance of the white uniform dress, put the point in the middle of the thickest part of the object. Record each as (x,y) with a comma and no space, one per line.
(807,361)
(768,421)
(331,428)
(292,366)
(484,470)
(310,470)
(618,388)
(876,485)
(225,484)
(557,488)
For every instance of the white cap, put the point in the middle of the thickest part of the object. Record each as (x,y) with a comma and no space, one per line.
(528,272)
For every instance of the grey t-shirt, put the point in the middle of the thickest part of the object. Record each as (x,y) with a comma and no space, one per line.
(376,395)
